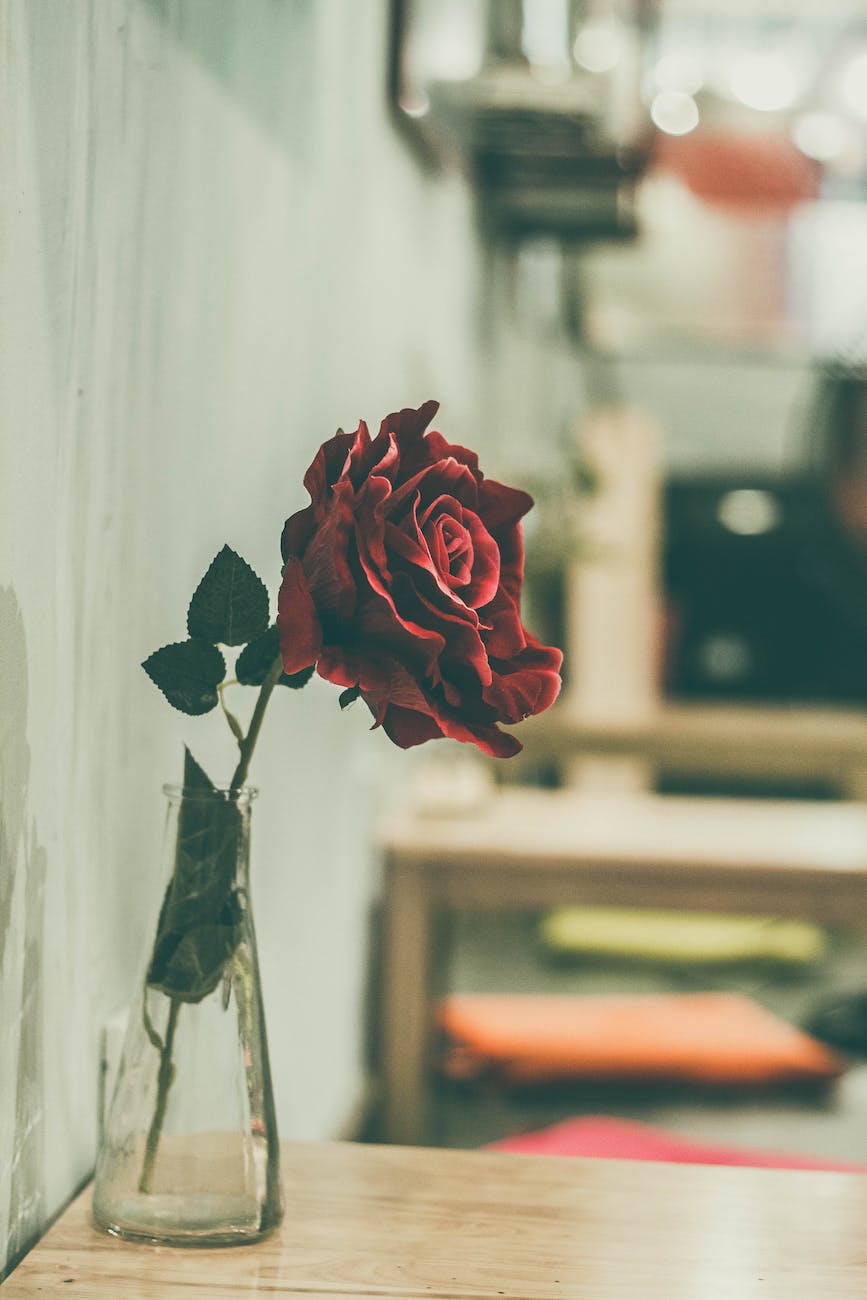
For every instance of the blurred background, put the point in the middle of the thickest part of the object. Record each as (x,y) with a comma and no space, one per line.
(624,244)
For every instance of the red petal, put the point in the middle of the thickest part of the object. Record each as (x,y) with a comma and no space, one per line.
(528,685)
(326,563)
(410,423)
(297,531)
(406,727)
(485,736)
(328,464)
(445,477)
(505,636)
(297,621)
(377,624)
(438,449)
(463,642)
(501,506)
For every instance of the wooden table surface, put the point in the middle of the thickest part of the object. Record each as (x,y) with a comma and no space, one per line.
(367,1222)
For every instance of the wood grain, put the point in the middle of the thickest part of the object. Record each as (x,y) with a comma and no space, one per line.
(405,1223)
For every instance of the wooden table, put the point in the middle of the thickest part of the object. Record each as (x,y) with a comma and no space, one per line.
(758,742)
(522,848)
(406,1223)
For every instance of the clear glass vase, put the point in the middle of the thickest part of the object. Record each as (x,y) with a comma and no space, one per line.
(190,1153)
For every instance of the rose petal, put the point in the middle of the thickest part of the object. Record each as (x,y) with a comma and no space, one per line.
(399,449)
(526,686)
(417,542)
(505,636)
(378,620)
(446,477)
(297,531)
(379,456)
(451,548)
(326,565)
(382,677)
(459,626)
(409,424)
(297,621)
(328,464)
(378,625)
(370,536)
(426,551)
(511,545)
(383,681)
(337,666)
(383,460)
(407,728)
(438,449)
(500,506)
(485,736)
(485,577)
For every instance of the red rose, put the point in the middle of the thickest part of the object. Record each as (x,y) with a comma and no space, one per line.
(402,579)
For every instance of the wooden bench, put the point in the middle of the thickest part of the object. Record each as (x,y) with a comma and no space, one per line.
(779,743)
(518,848)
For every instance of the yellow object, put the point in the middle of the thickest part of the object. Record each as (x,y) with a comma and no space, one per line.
(696,938)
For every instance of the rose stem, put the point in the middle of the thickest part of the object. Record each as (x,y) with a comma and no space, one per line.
(164,1082)
(248,744)
(166,1073)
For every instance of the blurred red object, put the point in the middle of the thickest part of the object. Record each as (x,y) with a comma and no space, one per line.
(758,172)
(602,1138)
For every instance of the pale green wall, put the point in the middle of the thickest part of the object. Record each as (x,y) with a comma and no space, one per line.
(213,250)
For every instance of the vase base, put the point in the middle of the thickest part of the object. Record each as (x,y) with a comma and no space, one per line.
(173,1219)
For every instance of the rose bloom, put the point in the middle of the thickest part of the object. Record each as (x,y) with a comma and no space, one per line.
(402,582)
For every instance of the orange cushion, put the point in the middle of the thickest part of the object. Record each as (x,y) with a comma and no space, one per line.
(701,1037)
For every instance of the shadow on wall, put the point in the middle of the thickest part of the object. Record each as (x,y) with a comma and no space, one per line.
(22,863)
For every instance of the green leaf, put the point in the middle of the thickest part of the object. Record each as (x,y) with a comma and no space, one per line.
(196,779)
(188,674)
(349,696)
(296,680)
(199,924)
(230,604)
(189,964)
(256,659)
